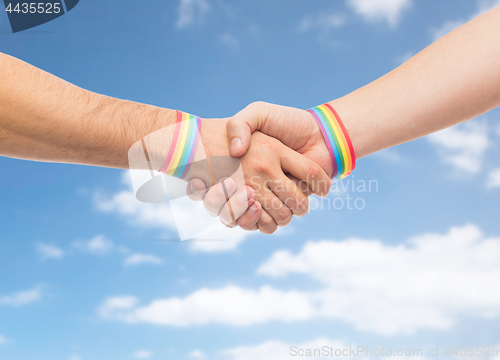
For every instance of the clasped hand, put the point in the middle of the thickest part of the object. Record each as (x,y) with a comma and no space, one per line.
(284,160)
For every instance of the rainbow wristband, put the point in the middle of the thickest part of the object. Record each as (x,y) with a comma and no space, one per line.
(337,139)
(183,147)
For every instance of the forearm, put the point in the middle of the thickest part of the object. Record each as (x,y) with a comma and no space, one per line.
(455,79)
(44,118)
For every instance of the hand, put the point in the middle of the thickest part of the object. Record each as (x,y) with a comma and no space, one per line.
(294,127)
(264,166)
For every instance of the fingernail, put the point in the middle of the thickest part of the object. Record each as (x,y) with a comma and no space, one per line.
(235,144)
(244,195)
(253,209)
(193,188)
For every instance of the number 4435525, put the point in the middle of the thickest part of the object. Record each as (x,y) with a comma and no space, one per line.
(472,351)
(33,8)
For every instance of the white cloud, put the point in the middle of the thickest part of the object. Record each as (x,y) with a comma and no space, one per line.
(230,305)
(323,21)
(428,282)
(143,354)
(22,297)
(446,28)
(279,350)
(160,216)
(381,10)
(390,155)
(225,239)
(230,41)
(404,57)
(3,340)
(125,204)
(74,357)
(450,25)
(191,12)
(197,354)
(463,146)
(494,179)
(117,303)
(138,259)
(98,245)
(48,251)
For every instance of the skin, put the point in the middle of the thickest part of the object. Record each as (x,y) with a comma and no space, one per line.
(453,80)
(44,118)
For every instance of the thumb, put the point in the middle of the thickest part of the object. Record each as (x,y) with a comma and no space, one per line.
(241,126)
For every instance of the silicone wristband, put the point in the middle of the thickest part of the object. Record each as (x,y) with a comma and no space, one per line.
(337,140)
(183,147)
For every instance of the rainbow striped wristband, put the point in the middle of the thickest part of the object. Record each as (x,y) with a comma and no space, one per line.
(337,139)
(183,147)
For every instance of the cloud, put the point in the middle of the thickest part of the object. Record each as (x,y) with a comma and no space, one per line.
(191,12)
(138,259)
(462,146)
(98,245)
(160,216)
(230,305)
(450,25)
(323,21)
(446,28)
(22,297)
(494,179)
(74,357)
(380,10)
(404,57)
(3,340)
(230,41)
(197,354)
(390,155)
(143,354)
(48,251)
(279,350)
(124,203)
(428,282)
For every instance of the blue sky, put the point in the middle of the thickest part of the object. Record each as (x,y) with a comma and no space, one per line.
(417,266)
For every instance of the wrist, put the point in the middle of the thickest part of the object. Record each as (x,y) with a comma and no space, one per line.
(214,137)
(354,114)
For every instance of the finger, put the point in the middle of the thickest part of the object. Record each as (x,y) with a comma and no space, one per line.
(248,221)
(307,170)
(241,126)
(266,223)
(196,189)
(237,206)
(281,214)
(218,195)
(290,195)
(302,185)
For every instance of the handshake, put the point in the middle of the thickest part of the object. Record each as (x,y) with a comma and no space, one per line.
(286,155)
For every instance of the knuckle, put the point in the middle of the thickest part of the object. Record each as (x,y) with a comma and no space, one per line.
(257,104)
(263,167)
(283,215)
(246,224)
(298,205)
(269,229)
(266,222)
(312,171)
